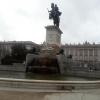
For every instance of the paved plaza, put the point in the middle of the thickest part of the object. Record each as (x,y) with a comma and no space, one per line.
(20,95)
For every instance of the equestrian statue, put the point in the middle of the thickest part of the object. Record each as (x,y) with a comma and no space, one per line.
(55,14)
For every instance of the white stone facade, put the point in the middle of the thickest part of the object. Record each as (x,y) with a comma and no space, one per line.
(83,52)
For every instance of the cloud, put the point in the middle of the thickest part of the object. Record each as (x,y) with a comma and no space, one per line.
(82,20)
(26,19)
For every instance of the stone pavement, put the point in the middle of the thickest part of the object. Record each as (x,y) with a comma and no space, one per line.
(21,89)
(26,95)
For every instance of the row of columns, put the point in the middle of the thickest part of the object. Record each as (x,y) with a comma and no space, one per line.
(83,52)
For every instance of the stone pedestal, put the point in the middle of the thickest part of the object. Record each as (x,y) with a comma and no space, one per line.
(53,35)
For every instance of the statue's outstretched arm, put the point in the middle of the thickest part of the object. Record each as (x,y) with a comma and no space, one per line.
(48,10)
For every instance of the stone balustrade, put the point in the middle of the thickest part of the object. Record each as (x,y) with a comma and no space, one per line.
(48,85)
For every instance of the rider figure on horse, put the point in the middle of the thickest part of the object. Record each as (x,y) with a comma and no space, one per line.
(54,14)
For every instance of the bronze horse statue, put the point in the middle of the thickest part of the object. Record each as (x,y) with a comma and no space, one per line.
(55,14)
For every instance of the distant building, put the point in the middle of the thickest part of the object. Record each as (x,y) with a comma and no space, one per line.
(5,46)
(83,52)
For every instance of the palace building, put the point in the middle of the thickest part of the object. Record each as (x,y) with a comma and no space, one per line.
(83,52)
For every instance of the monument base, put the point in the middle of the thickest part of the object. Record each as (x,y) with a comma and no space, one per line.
(47,61)
(50,49)
(53,35)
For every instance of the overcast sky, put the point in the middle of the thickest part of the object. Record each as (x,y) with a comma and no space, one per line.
(26,20)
